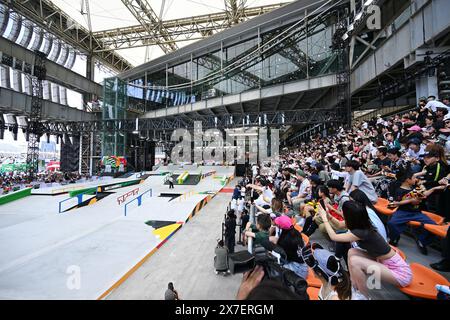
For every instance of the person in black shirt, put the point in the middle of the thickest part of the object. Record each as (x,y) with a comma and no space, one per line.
(434,171)
(230,231)
(373,250)
(444,264)
(408,202)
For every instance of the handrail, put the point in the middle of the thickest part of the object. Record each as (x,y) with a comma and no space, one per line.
(79,196)
(139,200)
(252,221)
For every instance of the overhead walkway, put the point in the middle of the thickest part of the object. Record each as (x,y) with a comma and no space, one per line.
(401,44)
(280,61)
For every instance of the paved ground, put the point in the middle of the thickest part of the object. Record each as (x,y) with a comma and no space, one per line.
(42,251)
(187,261)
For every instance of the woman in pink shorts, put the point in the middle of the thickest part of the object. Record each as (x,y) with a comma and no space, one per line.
(374,261)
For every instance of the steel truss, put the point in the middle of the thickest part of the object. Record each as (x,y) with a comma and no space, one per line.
(148,19)
(271,119)
(35,130)
(183,29)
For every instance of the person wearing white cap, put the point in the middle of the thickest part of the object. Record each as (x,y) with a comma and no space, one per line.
(328,269)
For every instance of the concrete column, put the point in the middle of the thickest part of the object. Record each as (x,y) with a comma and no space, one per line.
(55,93)
(427,86)
(5,77)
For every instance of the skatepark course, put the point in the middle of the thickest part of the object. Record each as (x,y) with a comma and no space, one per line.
(87,252)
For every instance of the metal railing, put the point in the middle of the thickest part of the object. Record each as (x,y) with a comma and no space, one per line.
(252,221)
(79,197)
(139,200)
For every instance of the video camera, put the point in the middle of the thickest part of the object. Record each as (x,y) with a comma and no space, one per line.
(271,257)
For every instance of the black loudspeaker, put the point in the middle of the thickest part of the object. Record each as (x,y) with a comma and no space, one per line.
(240,170)
(14,131)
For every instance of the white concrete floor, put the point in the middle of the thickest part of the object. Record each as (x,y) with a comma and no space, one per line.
(39,246)
(187,261)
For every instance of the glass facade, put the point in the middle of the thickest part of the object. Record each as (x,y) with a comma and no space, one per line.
(115,102)
(283,55)
(305,53)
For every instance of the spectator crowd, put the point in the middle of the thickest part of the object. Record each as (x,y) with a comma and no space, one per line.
(333,185)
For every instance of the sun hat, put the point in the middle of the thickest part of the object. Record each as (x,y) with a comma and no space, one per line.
(301,173)
(284,222)
(415,128)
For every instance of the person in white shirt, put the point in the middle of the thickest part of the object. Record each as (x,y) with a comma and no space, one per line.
(303,191)
(433,105)
(414,154)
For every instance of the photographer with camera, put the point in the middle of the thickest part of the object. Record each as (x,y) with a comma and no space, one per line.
(221,258)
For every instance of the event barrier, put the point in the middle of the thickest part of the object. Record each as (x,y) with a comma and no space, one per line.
(139,200)
(10,197)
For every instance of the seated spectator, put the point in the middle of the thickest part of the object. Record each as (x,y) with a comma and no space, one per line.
(328,269)
(358,180)
(374,216)
(276,208)
(434,171)
(373,251)
(290,240)
(260,232)
(408,200)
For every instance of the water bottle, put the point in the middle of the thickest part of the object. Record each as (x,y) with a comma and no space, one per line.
(443,292)
(391,201)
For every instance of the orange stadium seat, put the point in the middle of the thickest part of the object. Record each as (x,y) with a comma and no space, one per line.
(440,231)
(297,227)
(424,283)
(382,207)
(313,293)
(305,238)
(312,280)
(436,218)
